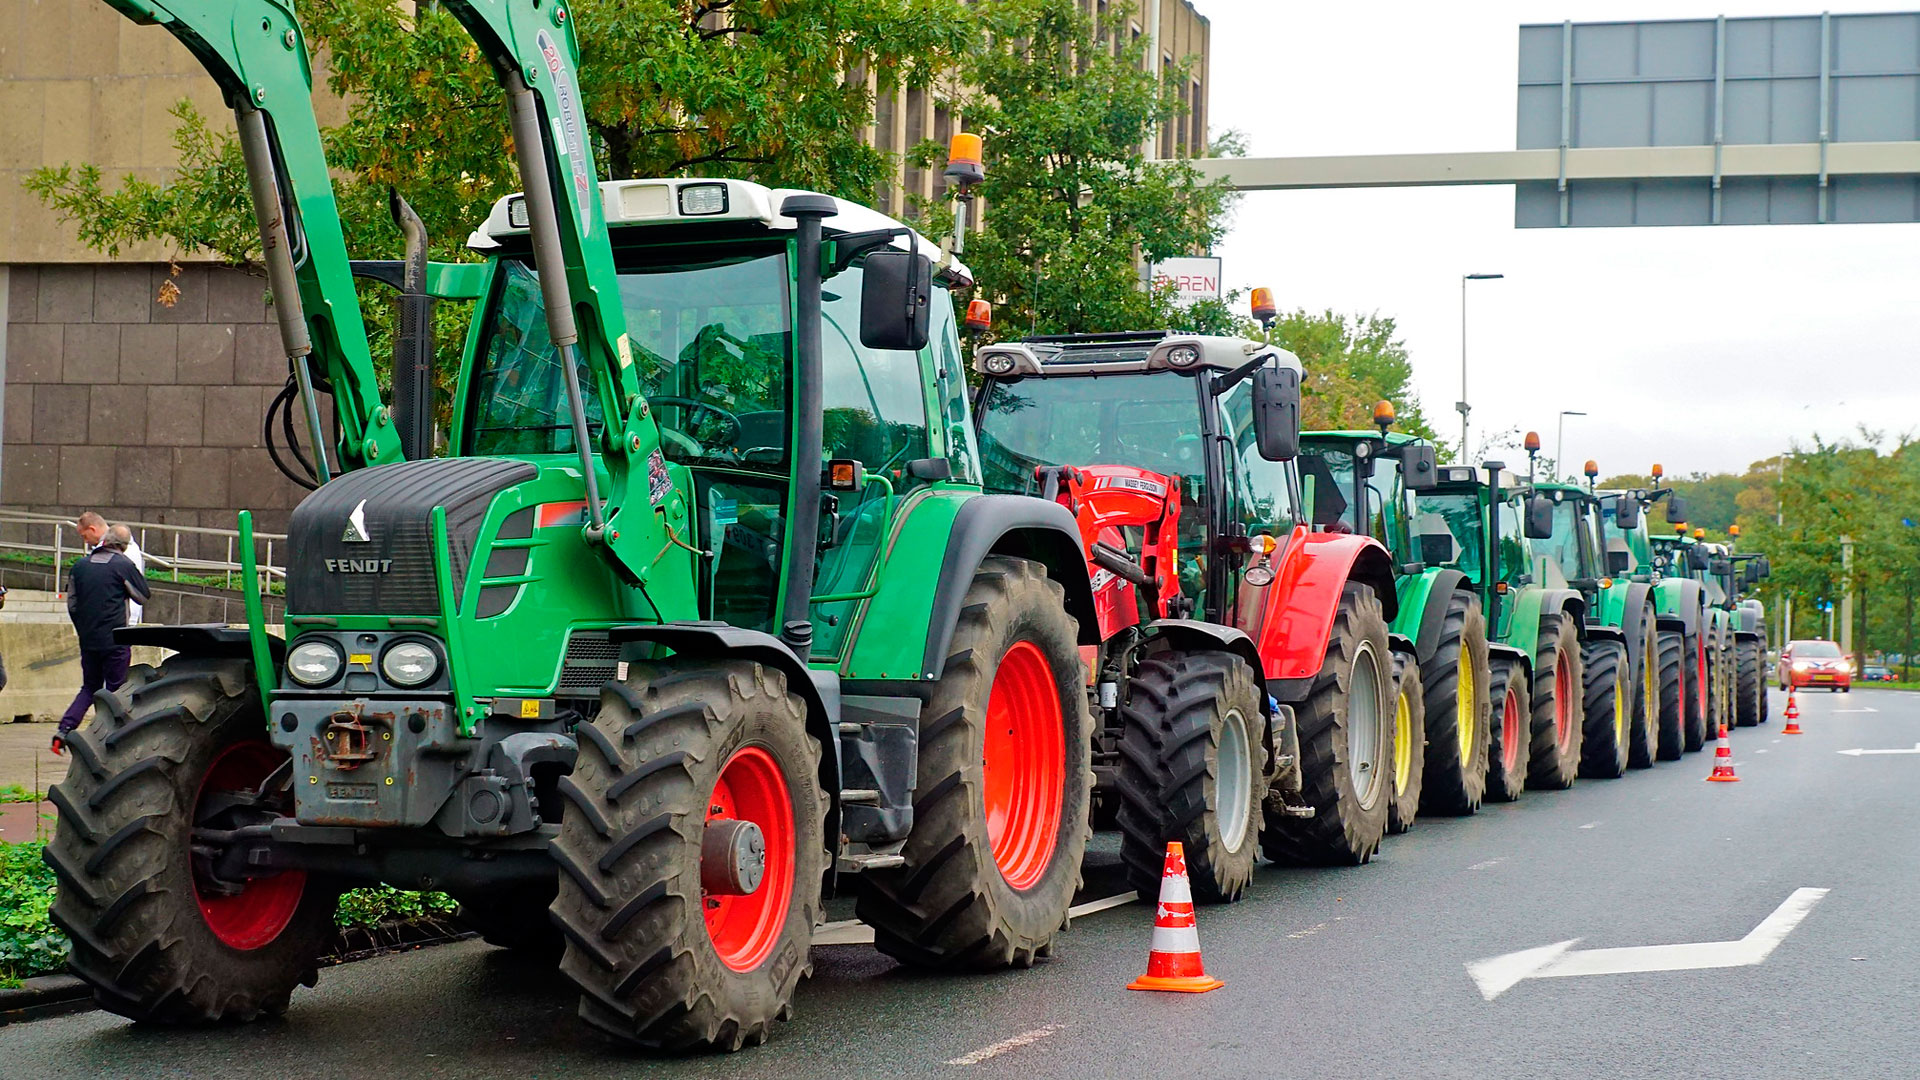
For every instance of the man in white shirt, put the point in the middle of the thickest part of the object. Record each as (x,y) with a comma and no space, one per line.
(93,532)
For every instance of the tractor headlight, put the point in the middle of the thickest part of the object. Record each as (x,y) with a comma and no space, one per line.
(1182,356)
(998,363)
(409,663)
(314,663)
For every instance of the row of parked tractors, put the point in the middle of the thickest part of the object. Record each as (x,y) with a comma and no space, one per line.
(732,593)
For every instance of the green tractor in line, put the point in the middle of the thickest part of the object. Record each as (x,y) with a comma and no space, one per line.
(1686,562)
(1620,647)
(705,616)
(1678,610)
(1486,528)
(1366,482)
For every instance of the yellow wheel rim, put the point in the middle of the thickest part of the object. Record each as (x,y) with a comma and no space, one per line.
(1622,715)
(1465,717)
(1650,691)
(1403,741)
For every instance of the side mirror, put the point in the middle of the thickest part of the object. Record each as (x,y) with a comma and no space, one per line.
(1720,567)
(1619,561)
(1276,412)
(1697,558)
(896,296)
(1419,469)
(1436,549)
(1676,509)
(1626,513)
(1539,517)
(1752,573)
(1763,568)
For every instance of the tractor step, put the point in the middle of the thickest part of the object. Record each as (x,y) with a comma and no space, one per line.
(1297,811)
(861,796)
(853,864)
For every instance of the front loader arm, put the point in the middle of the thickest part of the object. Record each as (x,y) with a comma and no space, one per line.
(533,51)
(255,51)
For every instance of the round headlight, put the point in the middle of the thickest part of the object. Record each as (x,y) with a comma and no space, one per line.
(314,663)
(1183,356)
(409,664)
(998,363)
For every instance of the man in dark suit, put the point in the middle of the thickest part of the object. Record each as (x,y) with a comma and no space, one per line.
(102,583)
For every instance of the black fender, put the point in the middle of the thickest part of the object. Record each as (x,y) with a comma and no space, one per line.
(1374,567)
(1604,633)
(1497,651)
(1434,618)
(1569,603)
(1401,643)
(1634,619)
(1196,635)
(1752,614)
(200,639)
(1691,606)
(819,690)
(1017,525)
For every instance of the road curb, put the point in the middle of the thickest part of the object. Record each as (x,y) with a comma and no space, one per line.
(42,996)
(56,995)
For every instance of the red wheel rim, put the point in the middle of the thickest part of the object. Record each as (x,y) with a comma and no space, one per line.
(744,929)
(1510,731)
(264,907)
(1563,700)
(1024,761)
(1701,664)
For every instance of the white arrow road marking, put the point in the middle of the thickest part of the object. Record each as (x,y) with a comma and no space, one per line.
(1498,974)
(1025,1038)
(1857,752)
(1868,709)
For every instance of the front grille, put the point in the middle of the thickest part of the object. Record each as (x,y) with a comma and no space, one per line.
(591,662)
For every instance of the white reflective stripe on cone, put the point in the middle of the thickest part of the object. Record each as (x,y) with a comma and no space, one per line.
(1176,939)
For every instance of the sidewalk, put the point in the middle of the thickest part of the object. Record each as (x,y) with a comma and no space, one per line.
(19,821)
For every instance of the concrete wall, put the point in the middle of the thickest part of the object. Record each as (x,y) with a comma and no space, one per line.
(141,410)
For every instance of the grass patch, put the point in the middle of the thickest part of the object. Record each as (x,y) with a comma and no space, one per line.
(206,581)
(14,793)
(31,945)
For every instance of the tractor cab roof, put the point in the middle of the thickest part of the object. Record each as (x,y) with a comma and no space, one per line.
(1128,353)
(1394,438)
(691,202)
(1457,477)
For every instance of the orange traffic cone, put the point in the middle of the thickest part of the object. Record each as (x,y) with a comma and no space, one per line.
(1793,716)
(1723,759)
(1174,962)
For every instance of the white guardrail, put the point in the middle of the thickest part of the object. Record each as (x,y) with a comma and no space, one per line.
(159,542)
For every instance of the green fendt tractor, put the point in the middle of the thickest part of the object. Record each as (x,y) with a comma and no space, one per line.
(1630,555)
(1486,528)
(1683,559)
(1366,482)
(1742,572)
(704,611)
(1620,649)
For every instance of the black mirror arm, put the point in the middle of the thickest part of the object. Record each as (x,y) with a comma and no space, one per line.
(1223,383)
(850,246)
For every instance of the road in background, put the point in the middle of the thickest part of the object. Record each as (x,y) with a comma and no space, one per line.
(1356,973)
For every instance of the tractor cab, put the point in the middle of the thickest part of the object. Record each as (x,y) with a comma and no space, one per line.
(1574,554)
(1468,521)
(1364,481)
(1199,432)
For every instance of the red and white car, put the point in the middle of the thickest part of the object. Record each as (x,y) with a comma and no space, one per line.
(1814,663)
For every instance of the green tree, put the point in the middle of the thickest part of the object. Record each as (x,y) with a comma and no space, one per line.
(1072,204)
(1352,362)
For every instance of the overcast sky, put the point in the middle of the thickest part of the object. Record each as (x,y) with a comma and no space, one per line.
(1805,328)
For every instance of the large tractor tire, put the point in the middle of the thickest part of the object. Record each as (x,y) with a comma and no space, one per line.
(691,855)
(1671,668)
(1751,689)
(1409,744)
(1005,772)
(156,933)
(1694,671)
(515,918)
(1512,720)
(1455,682)
(1346,746)
(1607,740)
(1557,716)
(1190,770)
(1644,684)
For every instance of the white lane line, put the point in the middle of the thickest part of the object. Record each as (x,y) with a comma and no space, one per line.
(1591,825)
(1025,1038)
(1488,865)
(1776,740)
(1307,933)
(855,932)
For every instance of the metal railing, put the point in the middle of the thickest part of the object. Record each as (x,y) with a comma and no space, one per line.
(162,565)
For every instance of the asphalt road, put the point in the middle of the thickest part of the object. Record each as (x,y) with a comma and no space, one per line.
(1354,973)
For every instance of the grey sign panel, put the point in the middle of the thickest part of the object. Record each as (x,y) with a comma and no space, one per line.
(1805,81)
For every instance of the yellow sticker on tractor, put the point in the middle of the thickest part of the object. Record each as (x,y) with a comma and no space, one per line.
(529,709)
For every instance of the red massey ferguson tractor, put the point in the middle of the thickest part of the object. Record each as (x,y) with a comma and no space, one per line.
(1243,686)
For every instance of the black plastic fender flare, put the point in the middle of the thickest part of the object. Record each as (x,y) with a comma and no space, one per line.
(1434,618)
(1017,525)
(200,639)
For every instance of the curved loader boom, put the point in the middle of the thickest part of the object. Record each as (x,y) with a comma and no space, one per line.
(255,51)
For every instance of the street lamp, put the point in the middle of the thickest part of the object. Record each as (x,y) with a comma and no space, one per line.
(1461,405)
(1560,439)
